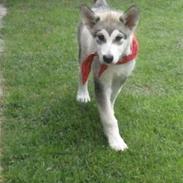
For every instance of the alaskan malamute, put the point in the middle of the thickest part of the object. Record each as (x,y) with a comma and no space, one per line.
(108,47)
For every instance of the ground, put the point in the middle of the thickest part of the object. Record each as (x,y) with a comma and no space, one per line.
(48,137)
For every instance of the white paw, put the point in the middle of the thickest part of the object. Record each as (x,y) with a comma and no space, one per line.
(117,143)
(83,96)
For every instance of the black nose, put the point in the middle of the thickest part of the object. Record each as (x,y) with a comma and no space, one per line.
(108,58)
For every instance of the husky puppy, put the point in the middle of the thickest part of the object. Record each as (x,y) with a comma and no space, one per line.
(108,47)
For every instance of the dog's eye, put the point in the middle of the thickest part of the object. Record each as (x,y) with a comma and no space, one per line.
(118,38)
(101,38)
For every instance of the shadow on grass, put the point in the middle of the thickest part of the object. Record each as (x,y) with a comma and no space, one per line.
(68,124)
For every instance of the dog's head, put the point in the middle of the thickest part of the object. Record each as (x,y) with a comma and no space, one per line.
(111,30)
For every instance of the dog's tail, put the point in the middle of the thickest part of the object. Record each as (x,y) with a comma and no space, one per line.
(100,3)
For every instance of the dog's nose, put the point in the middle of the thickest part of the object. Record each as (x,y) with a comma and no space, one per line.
(108,59)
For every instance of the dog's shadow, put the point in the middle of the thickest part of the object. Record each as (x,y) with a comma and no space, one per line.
(68,124)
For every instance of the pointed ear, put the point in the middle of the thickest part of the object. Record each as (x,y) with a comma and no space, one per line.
(130,17)
(89,16)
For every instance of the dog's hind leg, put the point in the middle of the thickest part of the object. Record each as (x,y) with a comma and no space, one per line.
(109,122)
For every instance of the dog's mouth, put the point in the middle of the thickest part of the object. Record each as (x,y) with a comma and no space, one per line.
(108,62)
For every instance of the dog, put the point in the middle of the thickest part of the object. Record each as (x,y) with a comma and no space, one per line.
(108,47)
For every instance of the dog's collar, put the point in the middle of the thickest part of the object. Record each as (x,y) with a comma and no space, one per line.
(87,62)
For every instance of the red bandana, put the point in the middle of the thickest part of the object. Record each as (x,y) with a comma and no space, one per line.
(87,63)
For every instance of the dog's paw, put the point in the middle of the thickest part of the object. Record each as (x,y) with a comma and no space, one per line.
(117,144)
(83,96)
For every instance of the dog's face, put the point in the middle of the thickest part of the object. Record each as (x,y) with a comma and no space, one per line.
(111,31)
(110,46)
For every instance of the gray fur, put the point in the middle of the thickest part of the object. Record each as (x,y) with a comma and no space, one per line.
(124,22)
(110,27)
(117,83)
(100,93)
(101,4)
(107,87)
(130,17)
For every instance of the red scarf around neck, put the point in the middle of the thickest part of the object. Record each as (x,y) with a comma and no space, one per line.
(87,63)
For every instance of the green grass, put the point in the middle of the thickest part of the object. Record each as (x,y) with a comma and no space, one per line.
(48,137)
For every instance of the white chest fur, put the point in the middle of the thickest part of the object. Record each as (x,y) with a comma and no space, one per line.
(123,70)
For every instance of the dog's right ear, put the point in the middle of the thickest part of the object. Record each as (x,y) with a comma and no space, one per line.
(89,17)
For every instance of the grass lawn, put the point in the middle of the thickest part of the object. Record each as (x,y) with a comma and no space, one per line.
(49,138)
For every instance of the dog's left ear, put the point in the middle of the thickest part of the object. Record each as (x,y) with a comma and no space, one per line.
(89,17)
(131,17)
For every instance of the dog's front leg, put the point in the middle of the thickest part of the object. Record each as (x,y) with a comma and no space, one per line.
(117,84)
(82,93)
(109,122)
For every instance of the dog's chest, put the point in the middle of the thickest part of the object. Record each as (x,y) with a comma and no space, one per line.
(123,70)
